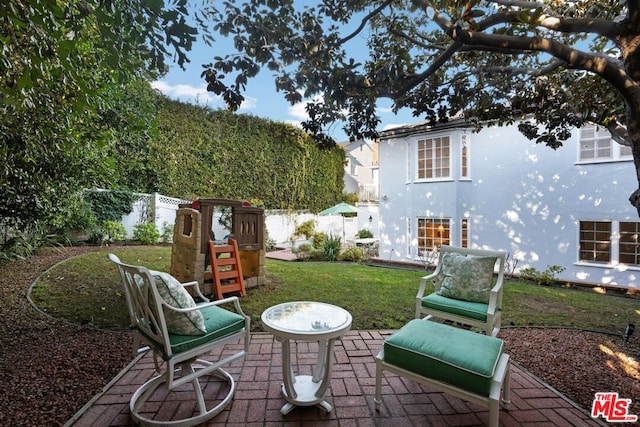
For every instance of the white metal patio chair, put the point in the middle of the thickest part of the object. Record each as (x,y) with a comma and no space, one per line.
(181,333)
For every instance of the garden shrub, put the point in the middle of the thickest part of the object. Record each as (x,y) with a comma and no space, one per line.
(353,254)
(331,247)
(365,234)
(316,254)
(146,233)
(113,231)
(302,251)
(269,242)
(26,244)
(543,278)
(306,229)
(167,232)
(318,239)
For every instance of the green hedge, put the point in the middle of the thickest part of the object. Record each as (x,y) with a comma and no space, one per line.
(201,152)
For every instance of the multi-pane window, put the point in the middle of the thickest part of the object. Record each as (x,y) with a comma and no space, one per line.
(629,246)
(464,232)
(625,151)
(464,156)
(595,241)
(432,233)
(596,145)
(434,158)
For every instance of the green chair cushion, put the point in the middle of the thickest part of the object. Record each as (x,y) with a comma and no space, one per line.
(458,357)
(472,310)
(218,322)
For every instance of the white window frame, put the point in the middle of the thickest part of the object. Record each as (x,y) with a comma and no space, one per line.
(443,237)
(465,150)
(595,242)
(433,140)
(616,241)
(464,232)
(601,141)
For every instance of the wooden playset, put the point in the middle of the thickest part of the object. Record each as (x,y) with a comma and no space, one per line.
(239,261)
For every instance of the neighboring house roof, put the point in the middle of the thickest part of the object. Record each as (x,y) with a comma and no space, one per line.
(421,127)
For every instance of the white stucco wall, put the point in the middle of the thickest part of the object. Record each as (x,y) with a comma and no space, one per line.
(521,197)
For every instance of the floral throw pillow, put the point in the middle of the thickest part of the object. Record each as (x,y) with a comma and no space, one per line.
(174,294)
(467,278)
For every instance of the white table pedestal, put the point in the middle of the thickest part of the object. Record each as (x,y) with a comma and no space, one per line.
(306,321)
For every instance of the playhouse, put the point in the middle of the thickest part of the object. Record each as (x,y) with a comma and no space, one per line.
(196,225)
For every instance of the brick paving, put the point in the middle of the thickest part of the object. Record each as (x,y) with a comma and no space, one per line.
(258,399)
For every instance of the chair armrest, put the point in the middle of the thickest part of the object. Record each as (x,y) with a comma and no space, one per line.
(234,300)
(227,300)
(423,284)
(495,297)
(194,285)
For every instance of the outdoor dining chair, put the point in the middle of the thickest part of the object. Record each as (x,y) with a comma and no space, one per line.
(467,288)
(182,333)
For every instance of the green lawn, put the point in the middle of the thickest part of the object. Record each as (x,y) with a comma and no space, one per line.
(87,290)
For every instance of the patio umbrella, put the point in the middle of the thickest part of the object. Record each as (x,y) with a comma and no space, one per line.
(340,209)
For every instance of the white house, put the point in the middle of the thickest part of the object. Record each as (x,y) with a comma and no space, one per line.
(361,169)
(361,177)
(497,190)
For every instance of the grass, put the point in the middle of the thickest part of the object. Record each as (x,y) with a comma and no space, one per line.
(87,290)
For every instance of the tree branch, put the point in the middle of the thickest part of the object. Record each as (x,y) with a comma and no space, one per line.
(601,65)
(557,23)
(364,21)
(521,4)
(414,40)
(525,70)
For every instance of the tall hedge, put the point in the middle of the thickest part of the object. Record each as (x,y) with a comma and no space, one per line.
(201,152)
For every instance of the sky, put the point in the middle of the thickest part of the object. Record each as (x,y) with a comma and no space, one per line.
(261,98)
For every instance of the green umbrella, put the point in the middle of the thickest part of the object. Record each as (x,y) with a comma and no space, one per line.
(340,209)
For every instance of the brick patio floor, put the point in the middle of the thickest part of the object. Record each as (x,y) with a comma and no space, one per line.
(258,399)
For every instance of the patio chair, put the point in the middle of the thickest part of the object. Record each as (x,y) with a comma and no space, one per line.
(181,333)
(467,290)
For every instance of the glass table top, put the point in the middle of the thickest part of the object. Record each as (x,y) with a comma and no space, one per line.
(306,317)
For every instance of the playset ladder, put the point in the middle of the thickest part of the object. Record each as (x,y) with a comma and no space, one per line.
(226,269)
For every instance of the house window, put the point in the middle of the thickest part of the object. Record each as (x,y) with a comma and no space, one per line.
(596,145)
(464,156)
(625,151)
(464,232)
(434,158)
(432,233)
(629,245)
(595,241)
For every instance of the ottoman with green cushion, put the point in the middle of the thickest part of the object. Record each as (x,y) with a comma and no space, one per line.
(457,361)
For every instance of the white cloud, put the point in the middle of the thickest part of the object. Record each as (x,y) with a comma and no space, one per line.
(188,93)
(199,95)
(249,103)
(295,123)
(299,110)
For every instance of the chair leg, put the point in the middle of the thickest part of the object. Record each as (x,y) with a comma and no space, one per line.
(506,389)
(378,399)
(202,414)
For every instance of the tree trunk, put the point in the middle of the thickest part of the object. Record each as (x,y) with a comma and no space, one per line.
(633,126)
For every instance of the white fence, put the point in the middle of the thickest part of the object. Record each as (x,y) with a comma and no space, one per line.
(156,208)
(280,225)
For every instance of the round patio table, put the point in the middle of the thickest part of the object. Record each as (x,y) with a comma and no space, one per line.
(306,321)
